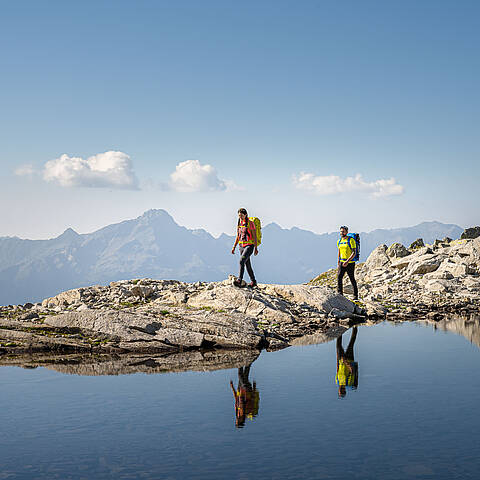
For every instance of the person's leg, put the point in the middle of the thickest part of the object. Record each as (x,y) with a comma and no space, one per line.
(340,352)
(349,353)
(241,377)
(340,274)
(243,259)
(245,253)
(351,276)
(248,264)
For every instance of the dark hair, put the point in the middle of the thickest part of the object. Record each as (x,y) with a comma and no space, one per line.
(344,227)
(244,211)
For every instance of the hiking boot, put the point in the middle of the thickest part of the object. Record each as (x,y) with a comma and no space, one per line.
(252,284)
(237,282)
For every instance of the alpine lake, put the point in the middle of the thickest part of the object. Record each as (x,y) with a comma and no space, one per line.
(412,412)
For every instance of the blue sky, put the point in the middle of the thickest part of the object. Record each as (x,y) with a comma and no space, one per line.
(250,94)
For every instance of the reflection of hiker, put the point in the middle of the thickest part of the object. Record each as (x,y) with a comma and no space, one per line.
(246,396)
(347,368)
(247,239)
(346,252)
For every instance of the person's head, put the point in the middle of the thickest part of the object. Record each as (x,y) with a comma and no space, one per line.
(343,231)
(242,214)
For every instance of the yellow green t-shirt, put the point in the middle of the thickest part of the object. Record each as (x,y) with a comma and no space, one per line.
(345,376)
(346,246)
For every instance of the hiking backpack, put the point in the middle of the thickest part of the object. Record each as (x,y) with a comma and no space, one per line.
(258,228)
(356,237)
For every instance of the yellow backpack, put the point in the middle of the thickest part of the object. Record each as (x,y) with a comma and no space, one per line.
(258,228)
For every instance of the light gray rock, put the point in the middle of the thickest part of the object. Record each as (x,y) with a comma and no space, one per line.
(424,264)
(163,332)
(378,259)
(141,291)
(437,286)
(63,299)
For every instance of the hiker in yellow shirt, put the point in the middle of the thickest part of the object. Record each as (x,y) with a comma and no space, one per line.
(346,252)
(347,368)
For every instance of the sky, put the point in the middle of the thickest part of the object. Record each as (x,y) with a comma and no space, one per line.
(312,114)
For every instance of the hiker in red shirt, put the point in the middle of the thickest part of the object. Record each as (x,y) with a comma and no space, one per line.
(246,397)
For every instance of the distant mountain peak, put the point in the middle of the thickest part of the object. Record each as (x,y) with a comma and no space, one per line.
(156,215)
(69,233)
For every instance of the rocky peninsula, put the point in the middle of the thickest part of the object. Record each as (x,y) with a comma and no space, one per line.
(148,316)
(228,324)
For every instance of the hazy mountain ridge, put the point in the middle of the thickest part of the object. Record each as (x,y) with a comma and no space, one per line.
(153,245)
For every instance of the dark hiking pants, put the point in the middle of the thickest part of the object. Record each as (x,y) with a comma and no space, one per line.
(348,354)
(350,270)
(245,253)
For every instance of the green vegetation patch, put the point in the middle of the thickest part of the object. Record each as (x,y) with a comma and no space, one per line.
(328,278)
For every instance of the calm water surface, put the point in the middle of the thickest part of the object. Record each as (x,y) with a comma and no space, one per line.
(414,414)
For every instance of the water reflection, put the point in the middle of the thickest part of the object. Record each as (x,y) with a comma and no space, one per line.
(469,327)
(347,367)
(247,397)
(93,365)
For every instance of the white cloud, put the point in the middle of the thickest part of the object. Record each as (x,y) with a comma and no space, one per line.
(333,184)
(192,176)
(24,170)
(109,170)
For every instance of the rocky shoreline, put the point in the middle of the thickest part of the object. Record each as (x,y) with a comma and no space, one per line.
(146,316)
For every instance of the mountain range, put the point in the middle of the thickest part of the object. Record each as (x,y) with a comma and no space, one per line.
(154,245)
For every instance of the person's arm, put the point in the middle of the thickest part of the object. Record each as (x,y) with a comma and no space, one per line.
(350,257)
(233,390)
(236,242)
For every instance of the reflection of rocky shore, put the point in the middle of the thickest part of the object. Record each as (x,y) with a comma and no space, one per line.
(127,364)
(468,327)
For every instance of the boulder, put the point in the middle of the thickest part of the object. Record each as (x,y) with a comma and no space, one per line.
(418,243)
(63,299)
(401,263)
(424,264)
(272,302)
(455,269)
(437,286)
(156,332)
(473,232)
(142,291)
(378,259)
(397,250)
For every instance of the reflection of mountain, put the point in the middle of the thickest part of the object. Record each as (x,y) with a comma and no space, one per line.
(153,245)
(126,364)
(469,328)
